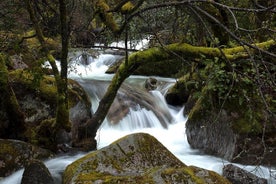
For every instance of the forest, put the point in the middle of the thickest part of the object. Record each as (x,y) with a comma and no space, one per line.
(222,54)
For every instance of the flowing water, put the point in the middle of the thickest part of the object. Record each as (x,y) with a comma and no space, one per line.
(141,115)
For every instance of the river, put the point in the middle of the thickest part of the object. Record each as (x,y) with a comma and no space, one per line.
(139,118)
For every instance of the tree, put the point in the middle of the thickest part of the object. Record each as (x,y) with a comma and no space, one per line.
(222,26)
(62,112)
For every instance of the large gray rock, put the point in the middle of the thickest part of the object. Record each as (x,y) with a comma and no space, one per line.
(36,173)
(136,158)
(217,134)
(17,154)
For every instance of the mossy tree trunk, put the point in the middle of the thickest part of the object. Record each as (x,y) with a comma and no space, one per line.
(62,116)
(62,111)
(15,127)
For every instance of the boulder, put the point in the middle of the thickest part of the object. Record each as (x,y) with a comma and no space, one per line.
(151,83)
(228,135)
(36,173)
(16,154)
(239,176)
(36,96)
(136,158)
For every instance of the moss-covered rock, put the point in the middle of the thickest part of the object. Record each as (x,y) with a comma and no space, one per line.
(136,158)
(17,154)
(230,109)
(36,95)
(238,131)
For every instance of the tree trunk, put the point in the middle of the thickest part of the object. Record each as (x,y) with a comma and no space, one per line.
(62,112)
(62,116)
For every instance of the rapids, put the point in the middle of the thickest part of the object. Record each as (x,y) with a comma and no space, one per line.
(141,116)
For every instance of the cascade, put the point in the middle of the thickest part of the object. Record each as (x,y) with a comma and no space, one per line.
(144,111)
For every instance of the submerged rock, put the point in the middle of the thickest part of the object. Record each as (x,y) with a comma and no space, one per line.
(15,155)
(136,158)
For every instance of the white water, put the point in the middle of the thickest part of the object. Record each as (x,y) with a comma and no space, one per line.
(173,137)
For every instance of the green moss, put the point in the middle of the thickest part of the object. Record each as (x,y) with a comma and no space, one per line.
(46,133)
(106,17)
(206,175)
(127,7)
(180,175)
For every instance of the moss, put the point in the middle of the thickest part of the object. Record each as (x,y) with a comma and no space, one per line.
(245,119)
(17,154)
(180,175)
(108,178)
(207,175)
(46,133)
(47,87)
(106,17)
(127,7)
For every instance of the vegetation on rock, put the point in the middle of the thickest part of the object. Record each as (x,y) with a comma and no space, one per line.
(136,158)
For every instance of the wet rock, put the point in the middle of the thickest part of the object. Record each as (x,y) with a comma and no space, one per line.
(136,158)
(128,97)
(17,154)
(37,100)
(151,83)
(36,173)
(179,94)
(220,138)
(239,176)
(240,133)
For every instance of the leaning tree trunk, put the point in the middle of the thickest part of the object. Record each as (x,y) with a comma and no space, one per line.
(13,126)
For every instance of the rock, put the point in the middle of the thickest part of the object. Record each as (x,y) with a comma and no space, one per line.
(37,100)
(136,158)
(179,94)
(17,62)
(36,173)
(219,138)
(16,154)
(239,176)
(151,84)
(239,133)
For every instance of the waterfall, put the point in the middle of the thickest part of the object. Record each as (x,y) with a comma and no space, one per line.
(140,111)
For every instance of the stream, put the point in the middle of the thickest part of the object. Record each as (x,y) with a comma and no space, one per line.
(140,117)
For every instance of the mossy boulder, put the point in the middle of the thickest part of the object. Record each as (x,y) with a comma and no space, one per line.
(36,95)
(16,154)
(230,115)
(136,158)
(242,133)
